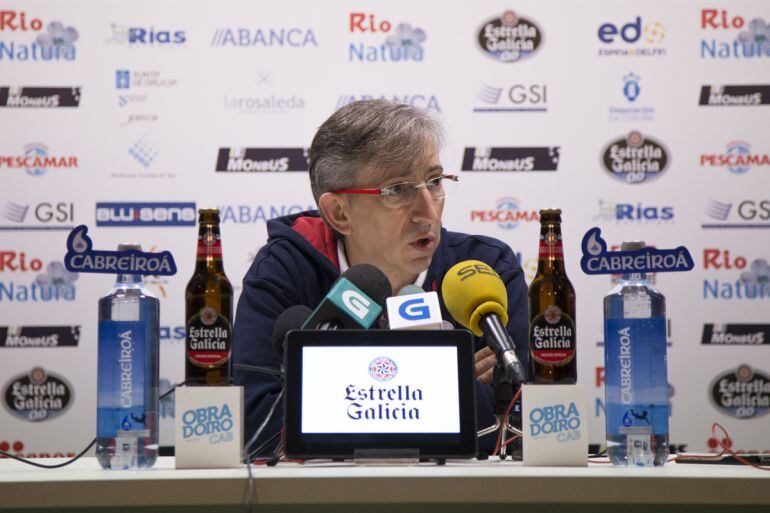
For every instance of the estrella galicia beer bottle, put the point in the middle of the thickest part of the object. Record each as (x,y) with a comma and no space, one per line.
(552,310)
(208,309)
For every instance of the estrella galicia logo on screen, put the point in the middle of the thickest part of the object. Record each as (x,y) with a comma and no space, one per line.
(145,214)
(633,38)
(743,393)
(37,395)
(508,214)
(255,160)
(144,37)
(213,421)
(402,43)
(734,95)
(635,158)
(55,43)
(510,37)
(24,97)
(749,41)
(561,420)
(383,368)
(737,158)
(538,158)
(414,309)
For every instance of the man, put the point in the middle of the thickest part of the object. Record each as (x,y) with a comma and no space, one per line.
(380,190)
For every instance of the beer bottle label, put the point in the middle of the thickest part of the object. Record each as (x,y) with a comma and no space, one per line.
(209,245)
(551,246)
(552,337)
(209,336)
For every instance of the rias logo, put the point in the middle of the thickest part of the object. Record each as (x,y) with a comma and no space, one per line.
(635,158)
(55,43)
(37,395)
(402,42)
(627,213)
(142,37)
(510,37)
(737,158)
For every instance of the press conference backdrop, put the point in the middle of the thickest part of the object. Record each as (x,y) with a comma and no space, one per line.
(647,119)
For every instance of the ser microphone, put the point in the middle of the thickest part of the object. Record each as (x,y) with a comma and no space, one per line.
(355,301)
(414,308)
(476,297)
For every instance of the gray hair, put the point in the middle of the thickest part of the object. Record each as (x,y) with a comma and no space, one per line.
(380,133)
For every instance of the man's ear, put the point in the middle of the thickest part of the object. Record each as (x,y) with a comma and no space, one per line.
(336,211)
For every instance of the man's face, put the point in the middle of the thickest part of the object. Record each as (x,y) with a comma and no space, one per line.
(398,241)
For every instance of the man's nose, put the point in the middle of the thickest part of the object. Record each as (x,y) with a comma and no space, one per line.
(424,207)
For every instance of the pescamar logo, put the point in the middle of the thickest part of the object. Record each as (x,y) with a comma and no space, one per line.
(631,40)
(734,95)
(540,158)
(428,102)
(145,214)
(37,396)
(750,41)
(142,37)
(255,160)
(402,43)
(36,216)
(36,160)
(635,158)
(56,43)
(743,393)
(510,37)
(737,158)
(736,334)
(514,98)
(744,214)
(39,336)
(508,214)
(39,97)
(627,213)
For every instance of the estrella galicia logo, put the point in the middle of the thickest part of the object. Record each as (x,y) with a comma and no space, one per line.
(81,257)
(37,395)
(743,393)
(510,37)
(414,309)
(255,160)
(39,97)
(734,95)
(145,214)
(635,158)
(597,260)
(213,421)
(383,368)
(736,334)
(561,420)
(539,158)
(39,336)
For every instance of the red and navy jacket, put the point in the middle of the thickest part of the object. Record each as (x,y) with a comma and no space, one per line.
(298,266)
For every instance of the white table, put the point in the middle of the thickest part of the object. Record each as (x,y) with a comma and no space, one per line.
(458,486)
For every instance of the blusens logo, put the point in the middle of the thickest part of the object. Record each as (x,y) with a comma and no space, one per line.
(402,42)
(145,214)
(37,395)
(743,393)
(510,37)
(635,158)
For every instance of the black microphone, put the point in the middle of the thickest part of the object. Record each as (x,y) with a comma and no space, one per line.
(355,301)
(291,319)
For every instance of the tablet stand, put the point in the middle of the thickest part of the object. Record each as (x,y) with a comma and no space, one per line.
(391,457)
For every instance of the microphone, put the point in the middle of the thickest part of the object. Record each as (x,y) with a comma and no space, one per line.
(291,319)
(414,308)
(355,301)
(476,297)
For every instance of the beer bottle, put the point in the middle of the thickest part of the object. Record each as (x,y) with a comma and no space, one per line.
(208,309)
(552,310)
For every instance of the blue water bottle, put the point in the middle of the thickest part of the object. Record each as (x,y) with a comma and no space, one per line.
(127,381)
(636,378)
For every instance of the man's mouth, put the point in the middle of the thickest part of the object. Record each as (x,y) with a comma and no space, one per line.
(427,242)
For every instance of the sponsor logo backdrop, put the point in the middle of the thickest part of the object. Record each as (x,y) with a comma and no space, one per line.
(647,118)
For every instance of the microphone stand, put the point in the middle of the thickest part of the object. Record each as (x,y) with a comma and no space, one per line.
(505,383)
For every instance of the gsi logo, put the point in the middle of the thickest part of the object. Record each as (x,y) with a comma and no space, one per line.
(410,310)
(357,303)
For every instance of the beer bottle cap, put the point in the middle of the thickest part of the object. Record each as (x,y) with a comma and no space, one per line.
(124,246)
(632,245)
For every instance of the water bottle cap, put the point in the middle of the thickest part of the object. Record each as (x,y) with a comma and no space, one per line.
(632,245)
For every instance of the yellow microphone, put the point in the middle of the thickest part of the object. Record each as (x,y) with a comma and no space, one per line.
(476,297)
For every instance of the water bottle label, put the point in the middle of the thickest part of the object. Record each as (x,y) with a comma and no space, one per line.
(636,380)
(552,337)
(120,377)
(209,336)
